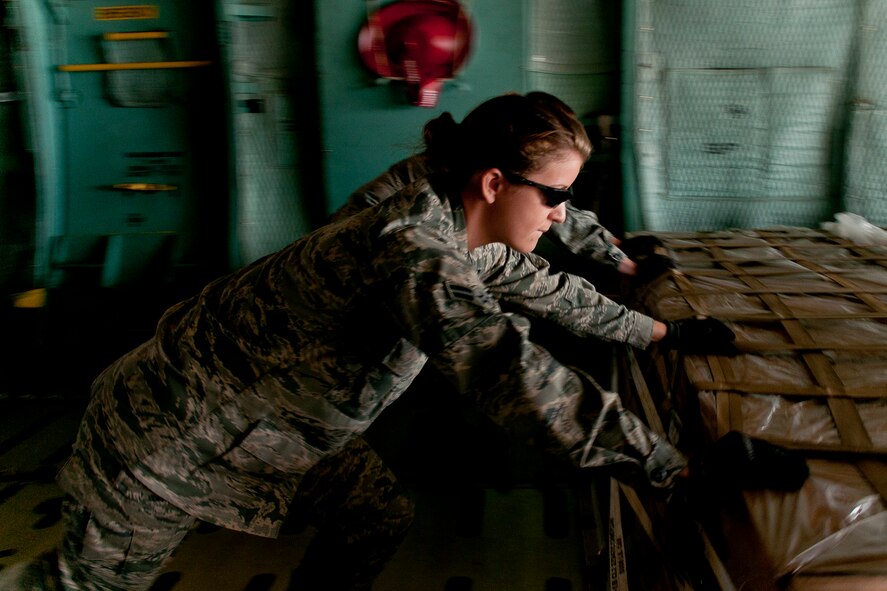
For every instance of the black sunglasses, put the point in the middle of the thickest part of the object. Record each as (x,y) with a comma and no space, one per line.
(553,196)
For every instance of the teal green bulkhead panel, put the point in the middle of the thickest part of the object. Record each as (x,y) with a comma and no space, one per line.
(121,196)
(865,181)
(268,60)
(35,24)
(734,112)
(367,125)
(16,193)
(574,52)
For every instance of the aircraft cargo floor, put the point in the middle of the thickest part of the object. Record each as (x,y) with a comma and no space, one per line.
(466,537)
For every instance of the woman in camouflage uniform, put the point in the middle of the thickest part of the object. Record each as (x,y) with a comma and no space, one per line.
(253,395)
(580,233)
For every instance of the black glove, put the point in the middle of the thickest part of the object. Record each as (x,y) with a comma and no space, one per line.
(700,335)
(738,461)
(650,255)
(642,245)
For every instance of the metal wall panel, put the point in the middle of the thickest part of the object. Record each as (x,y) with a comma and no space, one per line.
(735,111)
(268,58)
(574,52)
(119,101)
(368,124)
(865,181)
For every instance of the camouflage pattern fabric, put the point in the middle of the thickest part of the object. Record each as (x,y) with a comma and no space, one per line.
(362,515)
(102,552)
(568,301)
(124,540)
(617,438)
(254,393)
(99,553)
(581,233)
(248,385)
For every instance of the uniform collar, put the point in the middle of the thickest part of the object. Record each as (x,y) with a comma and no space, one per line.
(452,197)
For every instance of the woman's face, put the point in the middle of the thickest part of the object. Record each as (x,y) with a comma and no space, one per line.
(521,213)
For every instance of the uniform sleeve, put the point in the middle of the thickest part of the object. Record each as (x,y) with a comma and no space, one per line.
(582,234)
(524,283)
(441,302)
(616,438)
(436,298)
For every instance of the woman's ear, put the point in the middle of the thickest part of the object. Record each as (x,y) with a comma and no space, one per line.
(492,182)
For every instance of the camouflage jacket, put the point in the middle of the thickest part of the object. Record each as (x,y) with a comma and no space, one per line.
(248,384)
(581,233)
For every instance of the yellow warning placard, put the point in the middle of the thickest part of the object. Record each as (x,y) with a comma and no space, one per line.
(123,13)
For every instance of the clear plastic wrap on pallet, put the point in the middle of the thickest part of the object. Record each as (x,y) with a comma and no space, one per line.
(809,309)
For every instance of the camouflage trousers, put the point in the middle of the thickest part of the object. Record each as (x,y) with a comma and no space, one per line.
(352,498)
